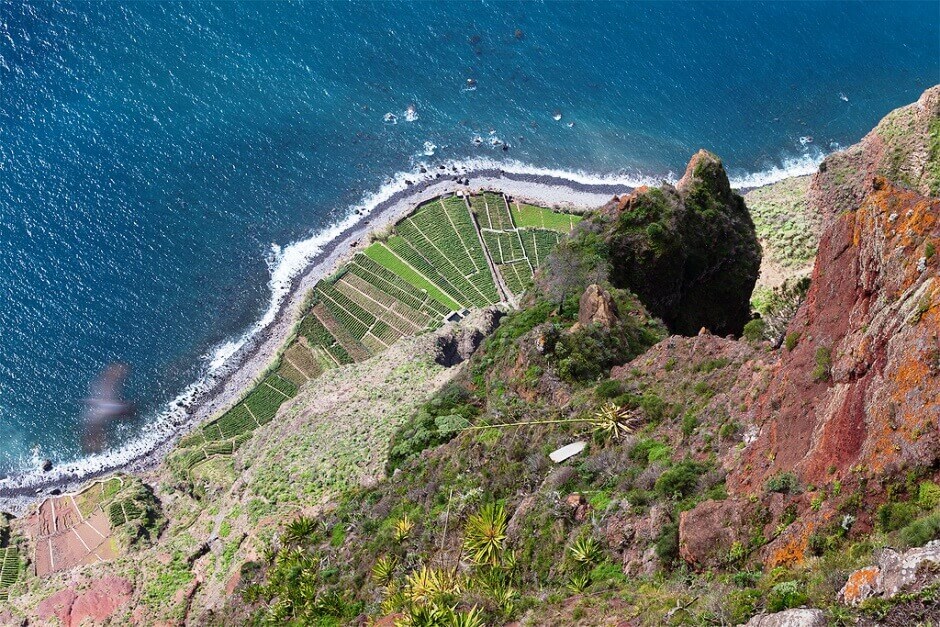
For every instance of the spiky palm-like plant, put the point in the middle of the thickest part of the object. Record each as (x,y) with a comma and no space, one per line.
(427,585)
(586,551)
(384,570)
(485,535)
(300,530)
(471,618)
(403,527)
(613,422)
(578,583)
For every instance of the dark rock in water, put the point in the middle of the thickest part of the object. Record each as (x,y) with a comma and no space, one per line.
(505,147)
(690,252)
(519,34)
(46,465)
(55,492)
(471,82)
(423,170)
(407,182)
(475,39)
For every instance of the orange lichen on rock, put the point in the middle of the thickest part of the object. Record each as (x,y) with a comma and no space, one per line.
(793,550)
(860,585)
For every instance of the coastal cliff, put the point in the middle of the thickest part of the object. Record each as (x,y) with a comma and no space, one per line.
(630,445)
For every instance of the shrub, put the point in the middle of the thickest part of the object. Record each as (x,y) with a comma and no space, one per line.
(929,250)
(754,330)
(893,516)
(823,368)
(611,388)
(435,423)
(921,531)
(653,406)
(667,544)
(928,495)
(784,596)
(680,480)
(785,482)
(791,341)
(728,430)
(689,423)
(649,451)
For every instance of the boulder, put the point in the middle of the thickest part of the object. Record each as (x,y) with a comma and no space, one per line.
(800,617)
(709,530)
(896,572)
(690,252)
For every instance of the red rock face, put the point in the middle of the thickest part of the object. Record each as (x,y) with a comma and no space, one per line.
(92,606)
(874,305)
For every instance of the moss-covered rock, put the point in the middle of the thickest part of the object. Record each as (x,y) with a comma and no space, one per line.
(690,252)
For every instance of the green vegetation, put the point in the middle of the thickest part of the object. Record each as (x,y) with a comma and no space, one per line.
(526,215)
(822,371)
(788,230)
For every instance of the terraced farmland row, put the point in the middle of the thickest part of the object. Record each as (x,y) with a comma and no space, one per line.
(9,569)
(437,263)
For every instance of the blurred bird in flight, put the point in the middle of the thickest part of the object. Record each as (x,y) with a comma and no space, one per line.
(105,404)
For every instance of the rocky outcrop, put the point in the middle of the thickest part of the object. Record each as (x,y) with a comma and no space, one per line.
(904,148)
(455,343)
(860,386)
(689,252)
(707,533)
(800,617)
(597,307)
(896,572)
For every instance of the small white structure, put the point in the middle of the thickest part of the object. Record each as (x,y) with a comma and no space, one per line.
(567,451)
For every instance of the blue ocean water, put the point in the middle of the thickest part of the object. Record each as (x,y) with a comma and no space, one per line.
(153,156)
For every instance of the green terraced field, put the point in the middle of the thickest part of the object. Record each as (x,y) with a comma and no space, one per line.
(9,569)
(385,257)
(525,215)
(438,261)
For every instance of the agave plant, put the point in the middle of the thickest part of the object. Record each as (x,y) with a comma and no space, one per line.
(586,551)
(427,616)
(403,527)
(384,570)
(613,421)
(427,585)
(471,618)
(300,530)
(578,583)
(395,600)
(485,535)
